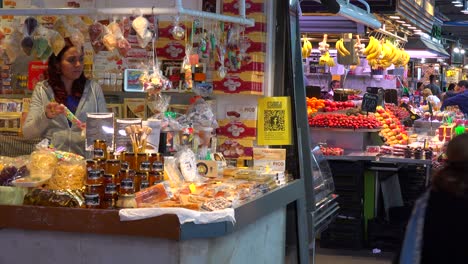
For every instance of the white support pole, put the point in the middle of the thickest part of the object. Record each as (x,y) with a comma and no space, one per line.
(178,9)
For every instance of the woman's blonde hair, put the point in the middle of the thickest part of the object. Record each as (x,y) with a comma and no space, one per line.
(426,92)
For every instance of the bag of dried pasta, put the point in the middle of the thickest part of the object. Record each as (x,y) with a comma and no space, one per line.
(68,175)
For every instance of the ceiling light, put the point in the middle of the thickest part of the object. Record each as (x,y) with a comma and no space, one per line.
(462,51)
(401,21)
(458,5)
(407,25)
(456,2)
(417,30)
(411,27)
(394,17)
(456,50)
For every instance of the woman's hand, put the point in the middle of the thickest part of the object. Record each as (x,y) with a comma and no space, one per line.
(53,109)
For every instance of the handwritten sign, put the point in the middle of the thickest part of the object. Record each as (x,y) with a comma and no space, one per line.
(369,102)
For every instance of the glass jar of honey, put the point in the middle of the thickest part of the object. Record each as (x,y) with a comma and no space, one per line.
(155,177)
(112,166)
(131,159)
(152,157)
(91,165)
(109,178)
(141,157)
(145,166)
(100,149)
(110,196)
(127,181)
(94,193)
(94,177)
(126,201)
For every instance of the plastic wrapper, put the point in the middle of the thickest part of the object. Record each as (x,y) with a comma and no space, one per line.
(12,48)
(41,46)
(122,140)
(145,39)
(77,38)
(125,26)
(27,44)
(110,41)
(12,195)
(123,46)
(43,162)
(55,198)
(173,172)
(140,25)
(201,115)
(56,41)
(68,175)
(154,194)
(188,165)
(187,69)
(62,27)
(154,81)
(96,33)
(13,169)
(78,23)
(158,104)
(216,204)
(30,25)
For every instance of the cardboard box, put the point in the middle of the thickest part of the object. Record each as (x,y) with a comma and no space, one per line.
(274,159)
(135,108)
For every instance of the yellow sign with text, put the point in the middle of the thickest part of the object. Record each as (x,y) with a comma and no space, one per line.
(274,121)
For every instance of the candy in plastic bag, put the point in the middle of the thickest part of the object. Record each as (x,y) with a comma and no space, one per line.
(62,27)
(56,41)
(77,22)
(12,48)
(96,31)
(140,25)
(110,41)
(40,46)
(188,165)
(30,25)
(76,38)
(27,44)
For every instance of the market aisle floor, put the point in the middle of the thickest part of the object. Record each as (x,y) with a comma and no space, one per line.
(333,256)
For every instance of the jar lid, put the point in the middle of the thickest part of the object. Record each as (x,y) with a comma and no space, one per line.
(109,175)
(113,161)
(128,195)
(100,141)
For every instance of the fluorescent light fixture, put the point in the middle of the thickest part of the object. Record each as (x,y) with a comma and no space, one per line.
(423,60)
(456,2)
(458,5)
(412,27)
(456,50)
(394,17)
(462,51)
(407,25)
(401,21)
(417,54)
(417,30)
(354,13)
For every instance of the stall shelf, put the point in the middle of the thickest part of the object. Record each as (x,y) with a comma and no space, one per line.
(267,213)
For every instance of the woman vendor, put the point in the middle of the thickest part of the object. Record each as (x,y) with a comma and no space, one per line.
(65,86)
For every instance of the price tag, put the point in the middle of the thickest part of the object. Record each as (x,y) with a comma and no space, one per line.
(369,102)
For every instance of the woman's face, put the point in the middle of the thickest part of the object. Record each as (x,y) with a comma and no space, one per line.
(71,64)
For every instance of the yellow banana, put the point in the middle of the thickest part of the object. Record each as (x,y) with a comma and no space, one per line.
(370,47)
(375,54)
(339,47)
(343,48)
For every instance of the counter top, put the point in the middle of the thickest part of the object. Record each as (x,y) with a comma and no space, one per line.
(100,221)
(364,156)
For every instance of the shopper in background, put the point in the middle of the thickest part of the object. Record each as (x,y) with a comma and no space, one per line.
(431,99)
(450,91)
(419,88)
(460,99)
(65,86)
(437,230)
(435,89)
(335,84)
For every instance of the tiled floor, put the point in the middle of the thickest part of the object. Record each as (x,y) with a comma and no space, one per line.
(332,256)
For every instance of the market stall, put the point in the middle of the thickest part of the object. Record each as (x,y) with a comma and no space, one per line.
(185,181)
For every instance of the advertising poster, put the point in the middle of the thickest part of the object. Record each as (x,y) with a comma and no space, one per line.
(274,121)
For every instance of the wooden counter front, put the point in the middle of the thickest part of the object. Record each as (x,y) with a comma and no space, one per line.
(79,220)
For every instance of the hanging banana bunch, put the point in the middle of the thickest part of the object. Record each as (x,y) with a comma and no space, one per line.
(306,48)
(324,47)
(373,49)
(341,49)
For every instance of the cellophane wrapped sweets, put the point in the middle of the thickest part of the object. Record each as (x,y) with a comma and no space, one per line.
(68,175)
(55,198)
(43,162)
